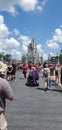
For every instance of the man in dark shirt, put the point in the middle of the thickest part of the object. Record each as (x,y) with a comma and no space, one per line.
(13,71)
(6,92)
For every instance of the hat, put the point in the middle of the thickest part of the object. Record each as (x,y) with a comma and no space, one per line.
(33,68)
(2,67)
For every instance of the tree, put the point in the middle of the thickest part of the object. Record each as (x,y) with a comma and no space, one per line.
(7,57)
(60,58)
(1,55)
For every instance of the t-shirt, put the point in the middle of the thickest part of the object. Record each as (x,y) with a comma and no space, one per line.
(46,71)
(25,68)
(5,92)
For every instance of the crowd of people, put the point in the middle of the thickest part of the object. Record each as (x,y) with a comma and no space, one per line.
(46,73)
(6,91)
(57,75)
(11,69)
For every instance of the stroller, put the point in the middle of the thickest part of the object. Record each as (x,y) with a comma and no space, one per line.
(32,79)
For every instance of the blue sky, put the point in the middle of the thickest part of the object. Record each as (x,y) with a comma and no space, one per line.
(20,20)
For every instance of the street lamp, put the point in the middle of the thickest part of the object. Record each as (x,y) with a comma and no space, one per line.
(57,58)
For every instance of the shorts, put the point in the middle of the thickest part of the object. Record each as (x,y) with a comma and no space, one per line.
(3,122)
(45,79)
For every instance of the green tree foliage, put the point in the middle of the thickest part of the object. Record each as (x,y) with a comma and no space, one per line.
(60,58)
(7,57)
(1,55)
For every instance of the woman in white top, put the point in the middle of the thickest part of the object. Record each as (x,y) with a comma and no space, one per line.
(46,74)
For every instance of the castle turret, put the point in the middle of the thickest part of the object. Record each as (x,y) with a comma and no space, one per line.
(32,51)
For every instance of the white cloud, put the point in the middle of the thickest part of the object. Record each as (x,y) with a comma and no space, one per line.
(26,5)
(1,19)
(24,49)
(3,29)
(54,42)
(9,6)
(25,40)
(45,56)
(58,31)
(12,43)
(1,47)
(58,35)
(8,45)
(16,31)
(51,54)
(12,10)
(44,2)
(39,48)
(40,8)
(16,54)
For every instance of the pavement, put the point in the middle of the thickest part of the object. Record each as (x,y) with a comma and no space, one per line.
(33,108)
(59,84)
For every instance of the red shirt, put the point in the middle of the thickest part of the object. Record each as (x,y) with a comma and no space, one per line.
(34,65)
(30,65)
(25,67)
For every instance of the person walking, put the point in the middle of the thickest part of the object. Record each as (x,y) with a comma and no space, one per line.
(6,92)
(61,75)
(9,72)
(13,73)
(46,75)
(25,68)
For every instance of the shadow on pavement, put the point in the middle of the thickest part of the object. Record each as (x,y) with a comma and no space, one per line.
(21,78)
(56,90)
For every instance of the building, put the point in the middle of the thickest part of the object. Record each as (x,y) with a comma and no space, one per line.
(32,55)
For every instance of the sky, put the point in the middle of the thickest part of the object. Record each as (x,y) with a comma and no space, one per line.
(21,20)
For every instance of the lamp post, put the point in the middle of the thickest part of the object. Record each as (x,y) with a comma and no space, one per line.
(49,58)
(58,58)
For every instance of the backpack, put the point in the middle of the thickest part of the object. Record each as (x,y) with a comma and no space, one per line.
(45,73)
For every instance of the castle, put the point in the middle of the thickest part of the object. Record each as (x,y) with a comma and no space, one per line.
(32,55)
(32,52)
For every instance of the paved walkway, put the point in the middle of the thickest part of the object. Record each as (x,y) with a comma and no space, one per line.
(33,108)
(53,77)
